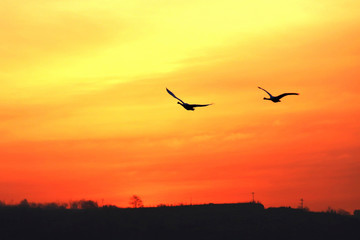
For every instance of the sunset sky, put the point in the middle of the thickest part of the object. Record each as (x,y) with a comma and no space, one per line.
(84,113)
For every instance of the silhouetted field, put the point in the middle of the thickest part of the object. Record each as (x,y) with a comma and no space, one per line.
(212,221)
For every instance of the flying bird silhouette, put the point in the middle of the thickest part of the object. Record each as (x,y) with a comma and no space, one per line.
(276,99)
(185,105)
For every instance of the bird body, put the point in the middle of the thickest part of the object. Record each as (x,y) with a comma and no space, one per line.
(276,99)
(187,106)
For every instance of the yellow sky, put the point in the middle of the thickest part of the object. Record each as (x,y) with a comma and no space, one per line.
(54,52)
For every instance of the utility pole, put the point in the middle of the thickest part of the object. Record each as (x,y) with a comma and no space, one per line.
(302,203)
(253,197)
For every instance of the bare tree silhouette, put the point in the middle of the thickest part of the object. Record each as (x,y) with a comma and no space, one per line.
(136,202)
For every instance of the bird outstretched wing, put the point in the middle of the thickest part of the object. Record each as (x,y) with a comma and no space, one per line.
(174,95)
(200,105)
(265,91)
(286,94)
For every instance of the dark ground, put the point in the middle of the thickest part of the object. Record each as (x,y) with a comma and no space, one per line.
(213,221)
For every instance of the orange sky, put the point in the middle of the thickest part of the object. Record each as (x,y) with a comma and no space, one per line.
(84,112)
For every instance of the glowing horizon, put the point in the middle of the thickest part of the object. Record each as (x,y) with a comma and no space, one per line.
(85,114)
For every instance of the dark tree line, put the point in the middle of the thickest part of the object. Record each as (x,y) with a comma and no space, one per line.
(81,204)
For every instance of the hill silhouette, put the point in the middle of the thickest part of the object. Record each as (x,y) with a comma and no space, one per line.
(209,221)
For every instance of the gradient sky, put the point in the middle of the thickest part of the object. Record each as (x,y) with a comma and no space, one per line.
(84,112)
